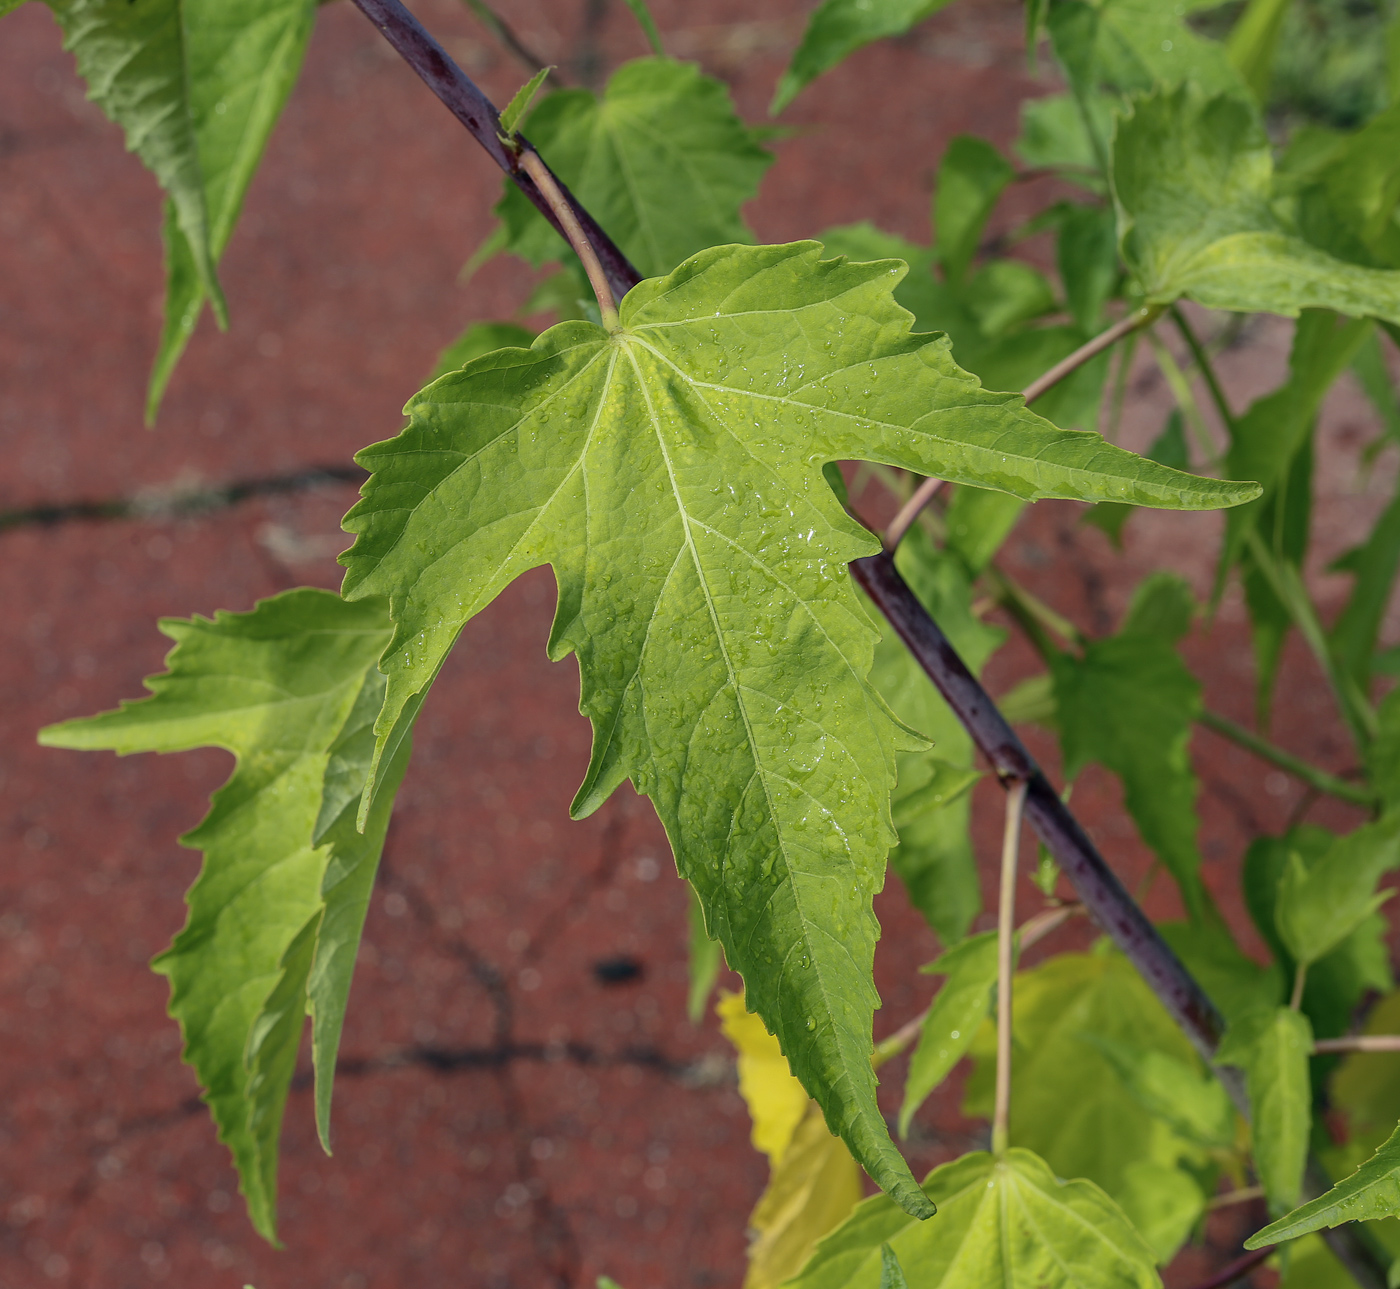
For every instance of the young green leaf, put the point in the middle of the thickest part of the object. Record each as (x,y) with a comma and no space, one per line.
(840,27)
(1272,1048)
(1373,1191)
(1108,1137)
(891,1273)
(670,471)
(971,177)
(226,78)
(661,160)
(648,25)
(291,689)
(1007,1222)
(961,1006)
(1136,45)
(1193,182)
(519,106)
(1129,703)
(1320,903)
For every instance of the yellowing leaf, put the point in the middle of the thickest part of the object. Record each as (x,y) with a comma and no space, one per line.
(777,1102)
(812,1190)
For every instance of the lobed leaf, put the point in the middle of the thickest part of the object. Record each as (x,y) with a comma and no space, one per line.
(1129,703)
(1373,1191)
(276,914)
(1008,1222)
(661,161)
(671,472)
(1193,185)
(1320,903)
(838,28)
(1272,1048)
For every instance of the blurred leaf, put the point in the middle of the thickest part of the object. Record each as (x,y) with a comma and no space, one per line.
(813,1189)
(1272,1048)
(1054,136)
(1087,256)
(1191,1101)
(1193,179)
(891,1273)
(1008,1222)
(961,1006)
(661,160)
(777,1102)
(1383,756)
(292,690)
(1253,43)
(1356,630)
(648,25)
(706,958)
(480,338)
(1004,293)
(838,28)
(1323,900)
(1373,1191)
(1031,700)
(971,177)
(1370,367)
(978,521)
(1129,704)
(1106,1135)
(1234,981)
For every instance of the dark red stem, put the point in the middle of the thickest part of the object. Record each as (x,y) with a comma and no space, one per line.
(1237,1270)
(475,111)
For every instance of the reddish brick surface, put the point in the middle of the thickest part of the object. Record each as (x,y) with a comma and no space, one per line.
(503,1118)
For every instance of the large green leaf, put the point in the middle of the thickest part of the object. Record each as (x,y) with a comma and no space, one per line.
(671,472)
(1193,183)
(1008,1222)
(1373,1191)
(1064,1010)
(661,161)
(839,28)
(1272,1048)
(1129,703)
(291,689)
(953,1019)
(1320,903)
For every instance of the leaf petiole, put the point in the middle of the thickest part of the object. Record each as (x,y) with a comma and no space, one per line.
(1006,962)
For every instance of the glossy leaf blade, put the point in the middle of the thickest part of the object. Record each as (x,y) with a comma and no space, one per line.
(1007,1222)
(1193,183)
(275,915)
(661,160)
(671,472)
(1373,1191)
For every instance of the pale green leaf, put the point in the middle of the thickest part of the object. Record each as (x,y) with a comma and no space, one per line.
(919,291)
(971,177)
(1105,1136)
(1373,1191)
(480,338)
(1136,45)
(1253,42)
(961,1006)
(1321,902)
(706,958)
(840,27)
(661,161)
(1193,184)
(237,61)
(648,25)
(1007,1222)
(514,111)
(1272,1048)
(275,917)
(671,472)
(1129,704)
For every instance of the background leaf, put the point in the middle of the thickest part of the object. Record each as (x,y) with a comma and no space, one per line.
(661,161)
(971,177)
(275,918)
